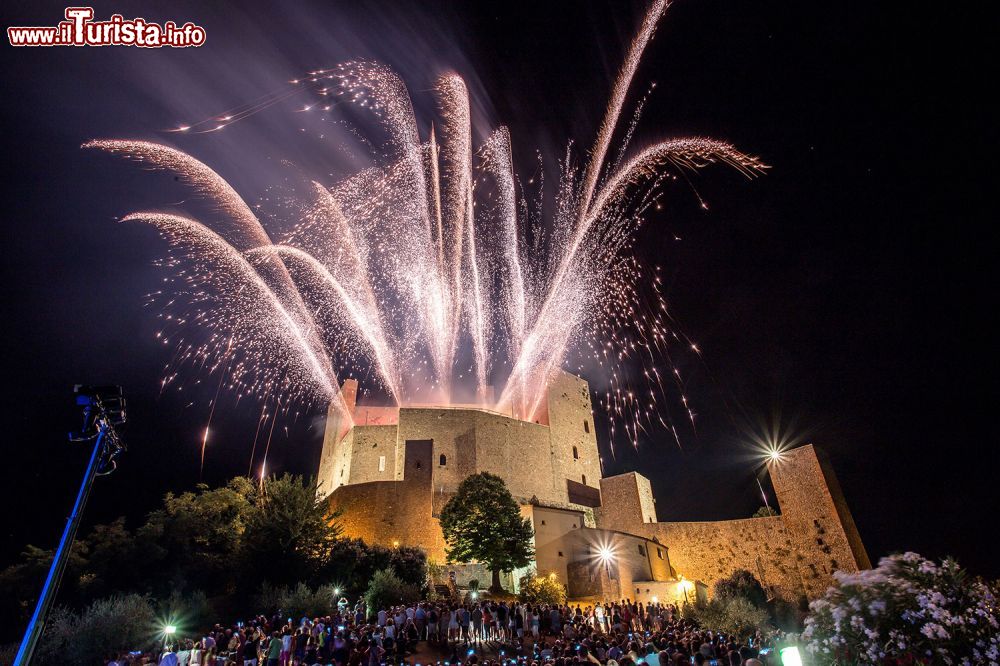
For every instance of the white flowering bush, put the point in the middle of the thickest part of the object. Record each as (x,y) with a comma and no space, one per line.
(908,610)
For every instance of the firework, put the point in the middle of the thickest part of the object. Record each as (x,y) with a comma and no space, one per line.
(432,269)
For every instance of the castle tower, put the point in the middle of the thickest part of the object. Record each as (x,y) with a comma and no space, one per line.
(573,438)
(815,514)
(334,465)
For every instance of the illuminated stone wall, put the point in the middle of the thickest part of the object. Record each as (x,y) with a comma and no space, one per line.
(390,483)
(796,553)
(534,460)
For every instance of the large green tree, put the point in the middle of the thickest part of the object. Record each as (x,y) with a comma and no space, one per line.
(289,534)
(195,538)
(483,523)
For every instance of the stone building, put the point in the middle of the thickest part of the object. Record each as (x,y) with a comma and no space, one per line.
(390,471)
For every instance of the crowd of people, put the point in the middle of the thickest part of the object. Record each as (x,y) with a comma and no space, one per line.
(476,633)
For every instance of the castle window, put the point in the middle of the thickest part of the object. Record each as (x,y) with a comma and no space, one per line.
(659,553)
(443,460)
(381,463)
(584,477)
(560,553)
(576,454)
(586,426)
(419,465)
(543,522)
(642,551)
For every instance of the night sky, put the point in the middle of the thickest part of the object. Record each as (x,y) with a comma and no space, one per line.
(843,298)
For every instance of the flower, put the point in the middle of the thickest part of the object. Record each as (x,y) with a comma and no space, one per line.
(907,610)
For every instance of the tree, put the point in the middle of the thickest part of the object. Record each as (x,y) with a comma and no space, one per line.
(764,512)
(195,539)
(483,523)
(289,533)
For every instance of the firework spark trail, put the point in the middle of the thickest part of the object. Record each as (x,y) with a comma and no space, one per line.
(244,232)
(253,448)
(365,320)
(618,96)
(377,87)
(593,169)
(215,399)
(405,280)
(498,161)
(262,302)
(453,97)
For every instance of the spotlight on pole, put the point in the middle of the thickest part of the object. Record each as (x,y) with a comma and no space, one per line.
(103,409)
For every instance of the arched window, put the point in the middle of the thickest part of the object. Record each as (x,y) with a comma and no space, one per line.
(586,426)
(443,460)
(576,454)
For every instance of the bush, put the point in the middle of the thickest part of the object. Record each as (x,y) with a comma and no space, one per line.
(728,615)
(906,610)
(387,589)
(537,589)
(189,612)
(115,624)
(298,601)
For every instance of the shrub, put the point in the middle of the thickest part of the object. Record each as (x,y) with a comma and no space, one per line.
(907,609)
(387,589)
(728,615)
(537,589)
(114,624)
(189,612)
(299,600)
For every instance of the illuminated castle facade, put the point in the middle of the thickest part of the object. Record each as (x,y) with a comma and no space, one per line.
(390,471)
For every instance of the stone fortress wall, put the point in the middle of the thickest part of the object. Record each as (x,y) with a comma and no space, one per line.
(390,473)
(794,553)
(364,468)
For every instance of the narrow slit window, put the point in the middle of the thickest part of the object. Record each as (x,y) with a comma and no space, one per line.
(576,453)
(443,460)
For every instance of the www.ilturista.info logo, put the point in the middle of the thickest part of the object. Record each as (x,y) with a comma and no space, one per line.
(79,29)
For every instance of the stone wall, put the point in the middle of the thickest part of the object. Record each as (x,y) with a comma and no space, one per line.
(373,452)
(815,513)
(795,553)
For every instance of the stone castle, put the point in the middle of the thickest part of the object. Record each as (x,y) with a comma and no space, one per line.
(390,471)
